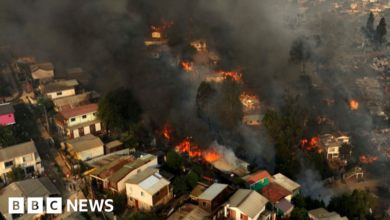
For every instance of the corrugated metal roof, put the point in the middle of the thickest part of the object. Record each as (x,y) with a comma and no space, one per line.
(84,143)
(274,192)
(256,177)
(113,144)
(18,150)
(286,182)
(44,66)
(82,110)
(107,163)
(6,108)
(323,214)
(198,190)
(57,86)
(189,212)
(75,101)
(212,191)
(248,201)
(284,205)
(149,180)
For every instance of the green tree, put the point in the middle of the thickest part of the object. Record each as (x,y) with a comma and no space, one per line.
(370,22)
(381,30)
(180,185)
(317,159)
(229,108)
(129,139)
(298,214)
(354,206)
(299,201)
(6,136)
(16,174)
(118,108)
(120,203)
(313,203)
(192,179)
(345,150)
(198,170)
(174,160)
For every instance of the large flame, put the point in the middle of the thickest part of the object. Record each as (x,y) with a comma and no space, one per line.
(250,102)
(185,146)
(164,25)
(367,159)
(167,130)
(211,155)
(354,104)
(187,66)
(235,75)
(311,145)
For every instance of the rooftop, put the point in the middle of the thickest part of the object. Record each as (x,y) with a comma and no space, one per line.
(113,144)
(274,192)
(189,212)
(43,66)
(36,74)
(70,113)
(248,201)
(337,134)
(256,177)
(323,214)
(213,191)
(75,101)
(6,108)
(107,163)
(284,205)
(18,150)
(40,187)
(198,190)
(57,86)
(149,180)
(238,168)
(84,143)
(286,182)
(74,70)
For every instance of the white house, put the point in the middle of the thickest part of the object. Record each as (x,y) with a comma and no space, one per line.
(245,204)
(323,214)
(252,119)
(42,71)
(148,190)
(80,121)
(341,137)
(25,155)
(59,88)
(85,148)
(288,184)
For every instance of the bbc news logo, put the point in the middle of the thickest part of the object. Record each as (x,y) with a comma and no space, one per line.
(54,205)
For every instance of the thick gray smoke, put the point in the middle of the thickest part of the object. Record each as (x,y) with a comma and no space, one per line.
(312,185)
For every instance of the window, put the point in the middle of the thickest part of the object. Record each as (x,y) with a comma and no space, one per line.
(27,158)
(105,185)
(59,93)
(158,194)
(204,204)
(84,116)
(9,116)
(30,169)
(94,114)
(131,199)
(72,119)
(340,140)
(142,193)
(8,164)
(244,217)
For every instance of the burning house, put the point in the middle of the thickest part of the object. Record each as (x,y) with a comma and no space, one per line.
(158,35)
(251,109)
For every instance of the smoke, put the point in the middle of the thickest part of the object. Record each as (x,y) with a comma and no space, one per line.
(225,152)
(312,185)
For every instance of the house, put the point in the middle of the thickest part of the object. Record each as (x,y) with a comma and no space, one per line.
(42,72)
(79,121)
(239,168)
(258,180)
(330,146)
(252,119)
(212,199)
(38,187)
(218,78)
(279,197)
(200,45)
(25,155)
(148,190)
(113,146)
(197,191)
(85,147)
(7,116)
(323,214)
(189,212)
(112,175)
(287,183)
(75,101)
(245,204)
(59,88)
(78,74)
(341,137)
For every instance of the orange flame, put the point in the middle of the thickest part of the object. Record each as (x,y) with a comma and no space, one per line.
(164,25)
(354,104)
(312,144)
(167,130)
(303,142)
(249,102)
(185,146)
(235,75)
(211,155)
(187,66)
(367,159)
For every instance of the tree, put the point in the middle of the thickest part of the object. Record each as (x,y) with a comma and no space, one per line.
(192,179)
(203,97)
(298,214)
(129,139)
(174,160)
(16,174)
(120,203)
(6,136)
(370,22)
(355,206)
(381,30)
(230,107)
(300,52)
(180,185)
(345,150)
(299,201)
(118,109)
(4,87)
(47,103)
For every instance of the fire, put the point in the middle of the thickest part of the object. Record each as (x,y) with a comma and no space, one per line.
(164,25)
(235,75)
(167,130)
(354,104)
(187,66)
(250,102)
(211,155)
(367,159)
(185,146)
(311,145)
(303,142)
(313,141)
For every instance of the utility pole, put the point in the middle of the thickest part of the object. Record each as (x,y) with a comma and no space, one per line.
(47,120)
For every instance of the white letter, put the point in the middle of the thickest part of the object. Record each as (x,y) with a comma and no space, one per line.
(96,204)
(16,205)
(34,205)
(69,203)
(107,203)
(83,203)
(53,205)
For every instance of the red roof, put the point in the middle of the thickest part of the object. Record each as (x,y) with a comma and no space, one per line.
(274,192)
(258,176)
(70,113)
(116,167)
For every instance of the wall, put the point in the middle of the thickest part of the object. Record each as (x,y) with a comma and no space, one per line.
(89,154)
(134,191)
(7,119)
(42,72)
(65,93)
(87,130)
(238,213)
(79,119)
(19,161)
(260,184)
